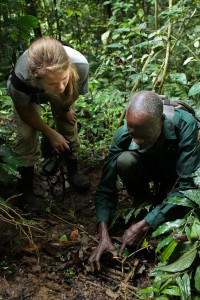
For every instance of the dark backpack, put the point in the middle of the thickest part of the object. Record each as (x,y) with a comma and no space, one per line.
(170,105)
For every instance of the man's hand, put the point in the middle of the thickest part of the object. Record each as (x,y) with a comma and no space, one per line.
(134,235)
(69,116)
(105,245)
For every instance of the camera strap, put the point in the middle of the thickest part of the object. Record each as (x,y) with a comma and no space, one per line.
(60,179)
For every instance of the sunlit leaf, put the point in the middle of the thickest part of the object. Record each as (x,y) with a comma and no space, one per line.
(168,226)
(116,45)
(145,243)
(184,286)
(193,195)
(140,12)
(168,251)
(182,263)
(195,230)
(171,290)
(164,242)
(122,30)
(104,37)
(188,60)
(63,238)
(182,201)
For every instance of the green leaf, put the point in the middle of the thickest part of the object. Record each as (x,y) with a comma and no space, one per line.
(168,251)
(63,238)
(195,89)
(182,201)
(184,286)
(189,59)
(182,263)
(149,290)
(171,290)
(197,279)
(122,30)
(140,12)
(193,195)
(145,243)
(128,215)
(116,45)
(195,230)
(168,226)
(28,22)
(164,243)
(178,77)
(188,232)
(135,77)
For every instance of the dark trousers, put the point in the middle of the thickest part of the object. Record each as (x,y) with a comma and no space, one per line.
(137,170)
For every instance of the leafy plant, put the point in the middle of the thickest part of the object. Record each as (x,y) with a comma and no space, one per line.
(178,271)
(128,212)
(8,164)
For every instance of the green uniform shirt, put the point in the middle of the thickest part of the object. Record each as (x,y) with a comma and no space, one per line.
(183,132)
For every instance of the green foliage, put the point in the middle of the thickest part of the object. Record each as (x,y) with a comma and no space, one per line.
(130,56)
(184,286)
(178,264)
(63,238)
(98,118)
(8,164)
(129,212)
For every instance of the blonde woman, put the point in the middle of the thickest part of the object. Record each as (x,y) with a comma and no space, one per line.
(47,72)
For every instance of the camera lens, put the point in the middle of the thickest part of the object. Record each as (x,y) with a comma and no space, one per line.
(51,166)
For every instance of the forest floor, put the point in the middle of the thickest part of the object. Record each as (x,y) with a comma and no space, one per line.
(47,258)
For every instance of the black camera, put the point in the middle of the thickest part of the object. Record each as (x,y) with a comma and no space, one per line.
(54,162)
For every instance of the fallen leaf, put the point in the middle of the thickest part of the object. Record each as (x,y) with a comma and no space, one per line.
(74,235)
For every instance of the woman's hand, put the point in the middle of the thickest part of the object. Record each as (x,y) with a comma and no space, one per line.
(58,142)
(68,116)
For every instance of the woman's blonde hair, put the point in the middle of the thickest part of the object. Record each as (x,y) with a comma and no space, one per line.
(47,54)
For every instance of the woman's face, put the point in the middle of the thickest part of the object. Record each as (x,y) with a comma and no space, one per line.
(55,82)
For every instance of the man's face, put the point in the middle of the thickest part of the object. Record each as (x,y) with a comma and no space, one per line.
(55,82)
(143,131)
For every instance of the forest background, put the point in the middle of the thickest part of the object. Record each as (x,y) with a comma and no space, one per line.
(130,46)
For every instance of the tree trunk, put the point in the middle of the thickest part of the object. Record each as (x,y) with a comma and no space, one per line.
(32,10)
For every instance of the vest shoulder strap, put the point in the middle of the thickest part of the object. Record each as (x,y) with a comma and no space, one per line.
(23,86)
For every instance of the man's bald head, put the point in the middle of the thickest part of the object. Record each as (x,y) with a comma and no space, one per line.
(144,118)
(145,103)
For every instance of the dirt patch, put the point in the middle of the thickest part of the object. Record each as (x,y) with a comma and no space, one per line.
(53,263)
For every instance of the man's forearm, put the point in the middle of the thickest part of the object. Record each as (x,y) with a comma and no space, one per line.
(103,229)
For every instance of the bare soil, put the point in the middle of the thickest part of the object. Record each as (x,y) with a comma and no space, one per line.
(49,260)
